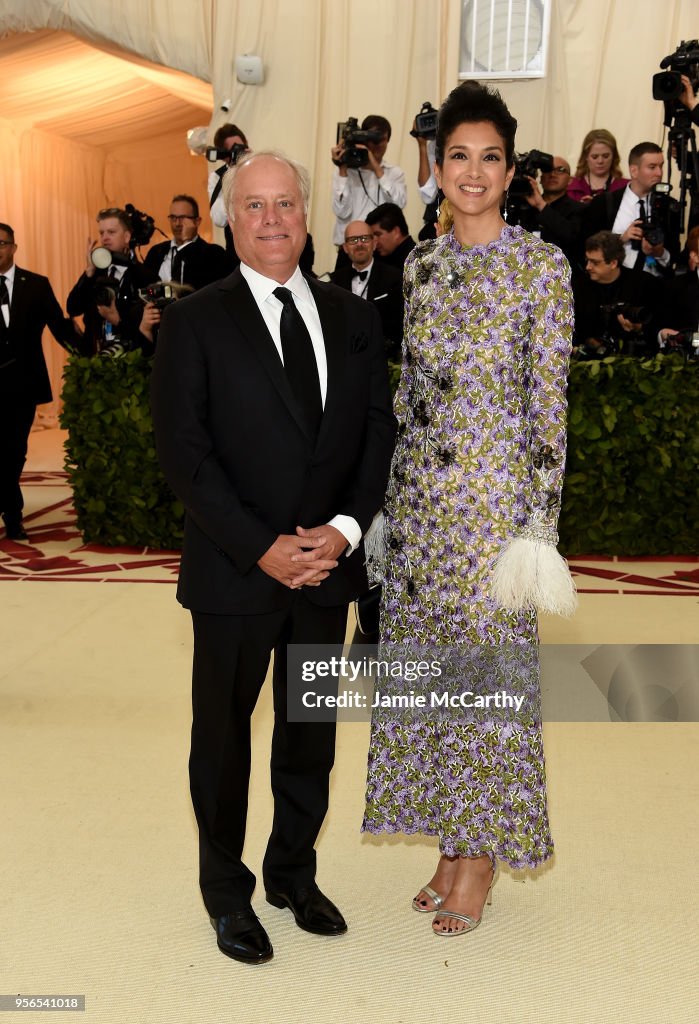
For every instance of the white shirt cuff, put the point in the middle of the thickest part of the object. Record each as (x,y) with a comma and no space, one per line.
(349,528)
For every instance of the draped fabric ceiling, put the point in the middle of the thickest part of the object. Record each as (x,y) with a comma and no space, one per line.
(97,95)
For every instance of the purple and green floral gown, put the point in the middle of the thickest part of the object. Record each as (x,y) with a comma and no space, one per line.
(479,460)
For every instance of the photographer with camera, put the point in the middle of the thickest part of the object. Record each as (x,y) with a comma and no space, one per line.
(187,258)
(554,216)
(106,293)
(424,131)
(229,143)
(643,214)
(362,180)
(615,309)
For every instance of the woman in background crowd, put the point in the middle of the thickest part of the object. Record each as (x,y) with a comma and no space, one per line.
(598,167)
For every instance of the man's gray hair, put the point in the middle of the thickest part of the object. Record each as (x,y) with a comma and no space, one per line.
(300,173)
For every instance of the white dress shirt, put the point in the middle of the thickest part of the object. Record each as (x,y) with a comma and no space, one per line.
(270,307)
(165,272)
(628,212)
(218,210)
(428,191)
(9,276)
(361,191)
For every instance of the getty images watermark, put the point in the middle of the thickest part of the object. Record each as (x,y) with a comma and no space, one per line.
(509,682)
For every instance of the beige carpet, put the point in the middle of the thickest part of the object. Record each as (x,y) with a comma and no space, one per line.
(99,893)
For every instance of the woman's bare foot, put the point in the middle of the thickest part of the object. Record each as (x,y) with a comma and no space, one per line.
(467,896)
(441,882)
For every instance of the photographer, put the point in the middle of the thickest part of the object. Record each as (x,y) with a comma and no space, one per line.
(650,237)
(108,299)
(424,131)
(357,191)
(187,259)
(554,216)
(615,309)
(229,138)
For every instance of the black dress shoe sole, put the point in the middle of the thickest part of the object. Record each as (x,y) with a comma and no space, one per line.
(281,904)
(244,960)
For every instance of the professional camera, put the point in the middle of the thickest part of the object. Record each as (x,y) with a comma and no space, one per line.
(655,228)
(667,85)
(233,154)
(353,139)
(142,226)
(526,166)
(636,314)
(425,122)
(686,341)
(163,293)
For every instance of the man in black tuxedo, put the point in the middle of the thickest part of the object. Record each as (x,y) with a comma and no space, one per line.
(187,259)
(108,299)
(274,427)
(27,306)
(374,281)
(390,230)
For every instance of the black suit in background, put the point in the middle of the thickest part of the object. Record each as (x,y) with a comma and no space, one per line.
(601,212)
(399,255)
(680,302)
(198,264)
(558,223)
(24,382)
(385,290)
(642,290)
(233,446)
(81,302)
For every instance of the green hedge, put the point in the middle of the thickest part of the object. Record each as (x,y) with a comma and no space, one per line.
(632,475)
(632,483)
(119,493)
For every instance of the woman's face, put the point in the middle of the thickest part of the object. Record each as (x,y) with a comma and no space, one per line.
(474,175)
(599,159)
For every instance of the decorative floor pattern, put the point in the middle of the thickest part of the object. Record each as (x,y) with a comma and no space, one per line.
(55,551)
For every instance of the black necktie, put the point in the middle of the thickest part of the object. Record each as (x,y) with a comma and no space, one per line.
(299,360)
(176,265)
(641,257)
(4,301)
(361,274)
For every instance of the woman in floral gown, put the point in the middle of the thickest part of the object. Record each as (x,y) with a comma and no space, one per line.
(475,484)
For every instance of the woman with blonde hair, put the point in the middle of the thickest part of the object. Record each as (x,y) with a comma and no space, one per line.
(598,167)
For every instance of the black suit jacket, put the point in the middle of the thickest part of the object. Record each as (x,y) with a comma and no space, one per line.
(201,262)
(601,212)
(33,307)
(81,302)
(232,443)
(385,291)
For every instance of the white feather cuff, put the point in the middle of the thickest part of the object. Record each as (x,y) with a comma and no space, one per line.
(530,574)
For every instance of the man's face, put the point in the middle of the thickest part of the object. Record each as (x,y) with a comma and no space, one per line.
(555,182)
(378,149)
(268,218)
(598,269)
(113,235)
(359,244)
(386,242)
(183,224)
(7,252)
(647,172)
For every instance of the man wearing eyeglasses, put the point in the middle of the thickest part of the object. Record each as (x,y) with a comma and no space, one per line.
(187,259)
(374,281)
(27,305)
(107,299)
(554,216)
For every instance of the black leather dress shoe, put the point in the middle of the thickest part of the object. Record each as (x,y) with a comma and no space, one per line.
(15,530)
(241,937)
(313,911)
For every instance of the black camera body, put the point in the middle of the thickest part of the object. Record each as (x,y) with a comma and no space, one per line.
(353,139)
(636,314)
(164,293)
(425,122)
(655,229)
(526,166)
(667,85)
(233,154)
(142,226)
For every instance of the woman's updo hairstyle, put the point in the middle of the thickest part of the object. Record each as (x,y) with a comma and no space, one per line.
(470,103)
